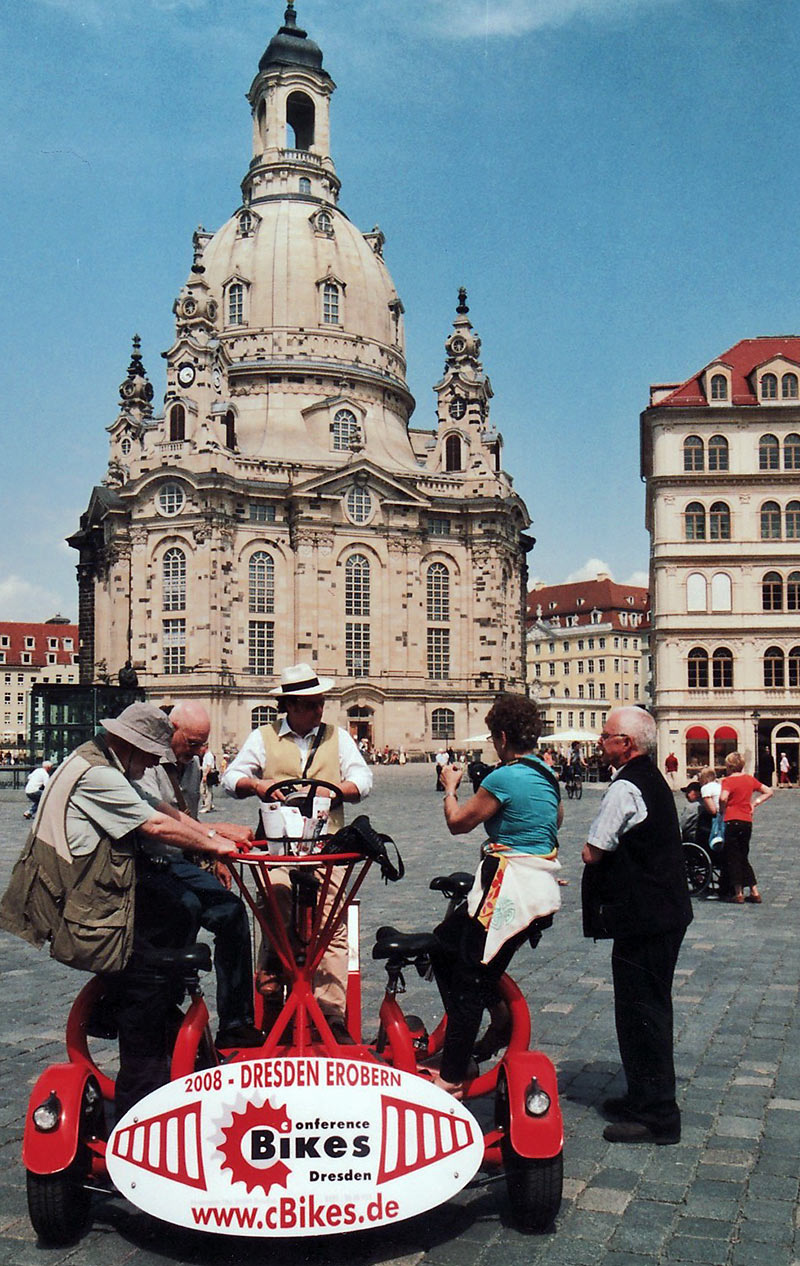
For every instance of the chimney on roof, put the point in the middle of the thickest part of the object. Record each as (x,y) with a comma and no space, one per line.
(57,619)
(603,575)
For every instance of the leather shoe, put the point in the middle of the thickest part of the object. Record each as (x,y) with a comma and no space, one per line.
(617,1109)
(638,1132)
(240,1035)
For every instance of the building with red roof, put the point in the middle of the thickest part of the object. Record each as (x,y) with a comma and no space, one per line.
(30,654)
(720,455)
(587,650)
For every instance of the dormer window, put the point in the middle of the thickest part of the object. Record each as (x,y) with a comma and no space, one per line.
(246,223)
(344,430)
(769,387)
(719,387)
(789,387)
(236,304)
(330,303)
(323,223)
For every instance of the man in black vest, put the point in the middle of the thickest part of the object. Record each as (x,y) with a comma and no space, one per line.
(635,892)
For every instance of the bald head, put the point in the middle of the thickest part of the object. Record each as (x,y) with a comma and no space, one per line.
(191,726)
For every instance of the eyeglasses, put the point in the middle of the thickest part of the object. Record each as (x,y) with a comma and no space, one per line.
(604,737)
(190,742)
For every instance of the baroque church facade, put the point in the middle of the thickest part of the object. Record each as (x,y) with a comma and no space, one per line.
(281,507)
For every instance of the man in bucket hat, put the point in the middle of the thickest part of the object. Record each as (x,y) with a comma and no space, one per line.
(299,745)
(82,884)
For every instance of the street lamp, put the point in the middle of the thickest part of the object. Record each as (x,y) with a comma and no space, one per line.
(756,719)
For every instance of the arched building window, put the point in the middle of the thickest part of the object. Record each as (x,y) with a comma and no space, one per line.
(693,453)
(696,747)
(173,574)
(330,303)
(769,453)
(697,677)
(793,663)
(261,576)
(443,723)
(722,669)
(726,741)
(299,121)
(719,387)
(356,585)
(721,598)
(452,453)
(236,304)
(773,666)
(793,521)
(229,422)
(695,521)
(793,591)
(263,714)
(717,453)
(770,521)
(177,424)
(769,387)
(772,591)
(344,430)
(719,522)
(789,387)
(438,593)
(791,452)
(696,592)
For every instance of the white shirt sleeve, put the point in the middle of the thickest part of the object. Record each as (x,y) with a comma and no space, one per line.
(248,763)
(352,766)
(622,808)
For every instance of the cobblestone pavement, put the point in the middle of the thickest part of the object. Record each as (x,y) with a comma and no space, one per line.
(728,1193)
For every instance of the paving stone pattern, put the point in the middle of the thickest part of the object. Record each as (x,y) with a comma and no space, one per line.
(727,1194)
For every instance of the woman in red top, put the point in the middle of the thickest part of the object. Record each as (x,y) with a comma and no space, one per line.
(736,799)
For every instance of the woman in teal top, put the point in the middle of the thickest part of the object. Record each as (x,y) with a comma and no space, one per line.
(519,805)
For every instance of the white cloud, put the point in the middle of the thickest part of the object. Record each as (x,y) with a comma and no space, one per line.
(640,579)
(21,600)
(591,569)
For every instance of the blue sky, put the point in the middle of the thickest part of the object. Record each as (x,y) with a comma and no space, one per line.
(614,181)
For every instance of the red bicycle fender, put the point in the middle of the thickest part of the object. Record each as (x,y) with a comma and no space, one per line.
(540,1137)
(51,1152)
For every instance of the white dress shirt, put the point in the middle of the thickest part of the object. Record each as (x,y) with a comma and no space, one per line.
(623,807)
(250,761)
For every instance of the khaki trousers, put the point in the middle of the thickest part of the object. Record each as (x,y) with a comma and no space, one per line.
(330,978)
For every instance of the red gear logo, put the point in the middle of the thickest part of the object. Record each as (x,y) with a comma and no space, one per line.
(265,1117)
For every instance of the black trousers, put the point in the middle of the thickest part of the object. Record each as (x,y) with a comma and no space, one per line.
(642,970)
(142,997)
(736,869)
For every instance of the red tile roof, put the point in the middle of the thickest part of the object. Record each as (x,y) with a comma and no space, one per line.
(602,595)
(18,632)
(742,359)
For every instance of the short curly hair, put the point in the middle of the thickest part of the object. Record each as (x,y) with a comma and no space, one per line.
(518,718)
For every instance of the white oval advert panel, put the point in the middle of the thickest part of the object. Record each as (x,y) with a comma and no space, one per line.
(294,1147)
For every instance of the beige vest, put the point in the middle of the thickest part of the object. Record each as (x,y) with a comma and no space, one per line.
(82,905)
(283,760)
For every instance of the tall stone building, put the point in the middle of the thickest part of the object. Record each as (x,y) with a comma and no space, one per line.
(281,508)
(721,457)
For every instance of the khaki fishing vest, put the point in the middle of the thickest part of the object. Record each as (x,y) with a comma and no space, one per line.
(82,905)
(284,761)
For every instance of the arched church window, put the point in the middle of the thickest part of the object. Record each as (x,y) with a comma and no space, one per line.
(126,446)
(344,430)
(177,423)
(236,304)
(438,592)
(359,504)
(261,575)
(300,120)
(356,585)
(452,453)
(323,222)
(330,303)
(304,185)
(245,223)
(263,714)
(229,422)
(173,574)
(443,724)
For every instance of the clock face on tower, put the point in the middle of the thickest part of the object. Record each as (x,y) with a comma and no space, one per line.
(458,407)
(216,377)
(186,375)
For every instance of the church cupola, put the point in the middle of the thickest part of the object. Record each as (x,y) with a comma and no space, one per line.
(463,345)
(290,100)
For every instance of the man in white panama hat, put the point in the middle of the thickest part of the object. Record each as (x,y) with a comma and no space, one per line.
(300,745)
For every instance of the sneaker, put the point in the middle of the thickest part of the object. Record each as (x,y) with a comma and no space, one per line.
(638,1132)
(240,1035)
(27,815)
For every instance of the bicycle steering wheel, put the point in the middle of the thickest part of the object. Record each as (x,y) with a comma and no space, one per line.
(306,802)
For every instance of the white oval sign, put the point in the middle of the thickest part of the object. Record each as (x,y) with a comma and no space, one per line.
(294,1146)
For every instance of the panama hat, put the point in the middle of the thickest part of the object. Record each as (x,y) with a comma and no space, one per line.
(145,727)
(300,680)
